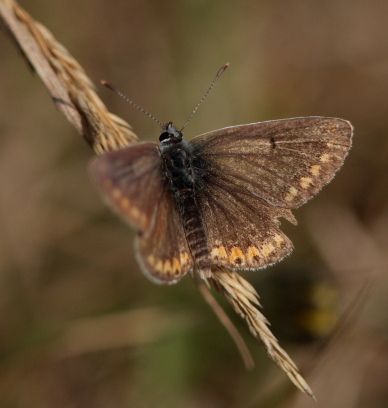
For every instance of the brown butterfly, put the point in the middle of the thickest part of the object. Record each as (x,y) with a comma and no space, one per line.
(216,200)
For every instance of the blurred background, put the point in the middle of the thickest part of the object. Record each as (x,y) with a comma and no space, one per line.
(80,326)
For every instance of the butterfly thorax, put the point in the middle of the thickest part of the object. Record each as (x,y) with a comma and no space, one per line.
(183,181)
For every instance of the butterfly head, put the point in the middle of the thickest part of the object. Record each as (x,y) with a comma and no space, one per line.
(170,135)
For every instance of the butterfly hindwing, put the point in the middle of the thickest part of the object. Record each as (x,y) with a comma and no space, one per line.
(243,231)
(163,252)
(284,162)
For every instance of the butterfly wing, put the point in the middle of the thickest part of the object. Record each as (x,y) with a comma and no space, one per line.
(128,178)
(253,174)
(242,231)
(131,181)
(283,162)
(163,252)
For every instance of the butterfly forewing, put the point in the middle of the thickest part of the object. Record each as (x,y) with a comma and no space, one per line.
(128,178)
(283,162)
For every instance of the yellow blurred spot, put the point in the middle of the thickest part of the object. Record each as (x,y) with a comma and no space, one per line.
(279,240)
(116,193)
(292,192)
(251,253)
(176,265)
(305,182)
(151,260)
(159,266)
(267,249)
(218,253)
(167,268)
(324,158)
(184,258)
(125,204)
(235,254)
(135,212)
(315,170)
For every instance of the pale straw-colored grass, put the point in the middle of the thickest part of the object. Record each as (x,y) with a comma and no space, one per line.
(244,299)
(70,88)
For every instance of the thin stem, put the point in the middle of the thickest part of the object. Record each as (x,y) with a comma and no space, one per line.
(227,323)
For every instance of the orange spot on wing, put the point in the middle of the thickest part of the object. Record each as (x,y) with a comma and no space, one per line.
(292,193)
(167,267)
(125,203)
(315,170)
(305,182)
(278,240)
(135,212)
(235,254)
(159,266)
(116,193)
(251,253)
(151,260)
(184,258)
(325,158)
(176,265)
(218,253)
(268,249)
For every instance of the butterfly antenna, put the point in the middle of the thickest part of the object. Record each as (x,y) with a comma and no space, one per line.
(112,88)
(221,70)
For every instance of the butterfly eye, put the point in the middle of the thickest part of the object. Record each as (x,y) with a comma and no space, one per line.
(164,136)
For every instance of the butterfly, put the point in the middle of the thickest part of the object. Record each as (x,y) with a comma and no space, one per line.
(217,199)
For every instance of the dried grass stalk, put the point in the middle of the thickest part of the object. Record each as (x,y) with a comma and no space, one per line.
(69,86)
(74,95)
(243,298)
(203,287)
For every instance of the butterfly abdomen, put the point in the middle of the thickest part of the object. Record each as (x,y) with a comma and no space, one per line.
(183,182)
(195,234)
